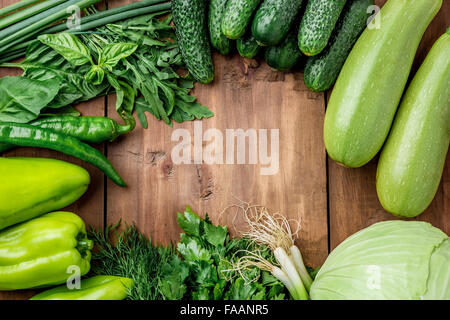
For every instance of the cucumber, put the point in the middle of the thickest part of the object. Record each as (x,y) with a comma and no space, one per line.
(318,24)
(322,70)
(191,32)
(238,14)
(413,159)
(274,19)
(215,17)
(247,46)
(370,85)
(286,55)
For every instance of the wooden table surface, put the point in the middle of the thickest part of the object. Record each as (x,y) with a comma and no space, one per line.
(332,202)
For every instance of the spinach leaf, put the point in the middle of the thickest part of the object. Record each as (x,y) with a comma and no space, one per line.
(69,46)
(22,99)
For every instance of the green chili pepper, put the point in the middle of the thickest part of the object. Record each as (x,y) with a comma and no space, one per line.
(88,129)
(44,251)
(95,288)
(34,186)
(25,135)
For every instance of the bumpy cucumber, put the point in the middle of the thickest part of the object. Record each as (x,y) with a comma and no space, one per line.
(322,70)
(237,16)
(215,17)
(192,35)
(413,159)
(318,24)
(369,88)
(247,46)
(274,19)
(286,55)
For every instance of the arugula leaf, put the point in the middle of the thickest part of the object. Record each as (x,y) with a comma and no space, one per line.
(22,99)
(69,46)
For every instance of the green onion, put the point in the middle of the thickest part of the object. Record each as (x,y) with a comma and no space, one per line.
(28,12)
(17,6)
(105,17)
(22,34)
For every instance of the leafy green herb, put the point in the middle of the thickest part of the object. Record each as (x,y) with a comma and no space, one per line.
(22,99)
(199,269)
(69,46)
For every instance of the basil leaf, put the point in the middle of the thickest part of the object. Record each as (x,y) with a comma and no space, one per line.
(95,75)
(69,46)
(114,52)
(22,99)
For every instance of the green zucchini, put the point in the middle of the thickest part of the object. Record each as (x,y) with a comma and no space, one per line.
(215,17)
(322,70)
(318,24)
(247,46)
(191,31)
(286,55)
(274,19)
(237,16)
(369,88)
(413,159)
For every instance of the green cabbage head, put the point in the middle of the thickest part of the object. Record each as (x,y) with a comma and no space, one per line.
(388,260)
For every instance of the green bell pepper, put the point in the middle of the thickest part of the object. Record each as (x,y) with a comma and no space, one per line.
(43,251)
(34,186)
(95,288)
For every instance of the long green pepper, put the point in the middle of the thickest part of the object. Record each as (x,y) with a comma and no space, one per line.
(88,129)
(28,136)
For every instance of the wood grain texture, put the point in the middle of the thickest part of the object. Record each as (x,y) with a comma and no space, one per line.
(260,99)
(353,201)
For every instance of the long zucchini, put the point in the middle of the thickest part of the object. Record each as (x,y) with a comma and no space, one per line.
(413,158)
(369,88)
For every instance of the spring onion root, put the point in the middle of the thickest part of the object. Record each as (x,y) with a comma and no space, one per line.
(274,231)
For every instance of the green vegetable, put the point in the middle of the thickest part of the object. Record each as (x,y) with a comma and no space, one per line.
(149,72)
(132,256)
(192,35)
(87,129)
(318,24)
(322,70)
(92,21)
(247,46)
(34,186)
(95,288)
(202,272)
(274,19)
(27,28)
(28,12)
(28,136)
(413,158)
(392,260)
(22,99)
(215,16)
(237,16)
(286,55)
(16,6)
(40,252)
(370,85)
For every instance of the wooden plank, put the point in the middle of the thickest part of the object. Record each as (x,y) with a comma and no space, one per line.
(91,205)
(353,200)
(258,99)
